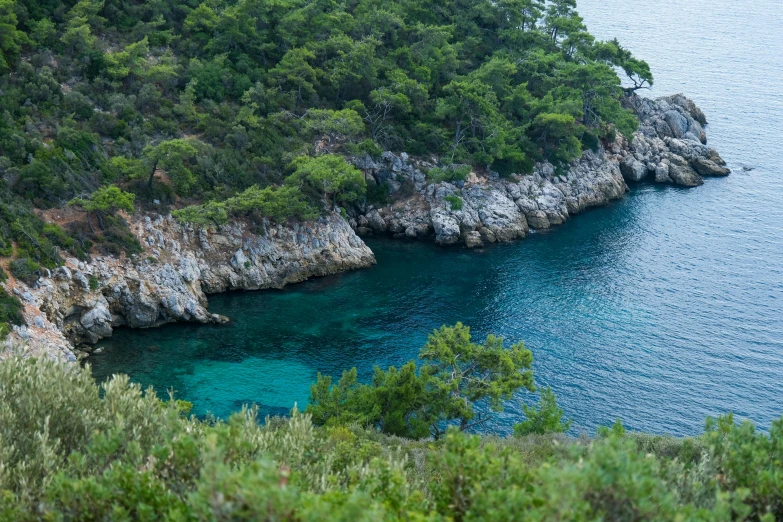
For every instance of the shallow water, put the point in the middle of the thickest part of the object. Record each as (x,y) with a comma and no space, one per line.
(660,309)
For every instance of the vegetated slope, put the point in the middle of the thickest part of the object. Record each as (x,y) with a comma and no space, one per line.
(202,101)
(69,452)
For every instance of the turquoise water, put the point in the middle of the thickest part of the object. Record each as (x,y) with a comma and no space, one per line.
(660,309)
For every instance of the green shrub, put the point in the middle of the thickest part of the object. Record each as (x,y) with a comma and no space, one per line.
(378,194)
(451,174)
(72,451)
(10,312)
(25,270)
(547,417)
(275,203)
(455,202)
(94,283)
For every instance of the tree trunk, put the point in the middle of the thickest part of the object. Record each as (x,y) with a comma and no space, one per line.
(89,224)
(152,174)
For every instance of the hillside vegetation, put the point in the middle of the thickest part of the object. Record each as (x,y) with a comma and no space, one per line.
(71,451)
(249,107)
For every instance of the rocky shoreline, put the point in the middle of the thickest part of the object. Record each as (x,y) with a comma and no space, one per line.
(80,303)
(669,147)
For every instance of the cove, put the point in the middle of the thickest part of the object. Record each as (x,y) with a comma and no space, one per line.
(660,310)
(618,306)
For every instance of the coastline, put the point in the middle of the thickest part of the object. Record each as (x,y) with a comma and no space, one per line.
(76,305)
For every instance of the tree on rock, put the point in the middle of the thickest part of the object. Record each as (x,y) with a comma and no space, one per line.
(105,200)
(330,175)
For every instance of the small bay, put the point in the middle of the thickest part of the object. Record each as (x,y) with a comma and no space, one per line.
(660,309)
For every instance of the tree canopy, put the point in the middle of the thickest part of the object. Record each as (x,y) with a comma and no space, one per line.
(457,378)
(221,96)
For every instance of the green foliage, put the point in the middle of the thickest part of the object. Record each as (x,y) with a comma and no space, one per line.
(34,239)
(452,173)
(26,270)
(205,100)
(329,174)
(73,451)
(275,203)
(547,417)
(455,202)
(11,39)
(211,213)
(107,199)
(457,374)
(10,312)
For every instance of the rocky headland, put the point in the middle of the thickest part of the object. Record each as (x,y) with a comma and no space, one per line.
(669,147)
(80,303)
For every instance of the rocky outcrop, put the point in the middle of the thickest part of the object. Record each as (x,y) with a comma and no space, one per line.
(83,302)
(669,147)
(671,143)
(487,209)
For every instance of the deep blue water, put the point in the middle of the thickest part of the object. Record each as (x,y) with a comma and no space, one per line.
(660,309)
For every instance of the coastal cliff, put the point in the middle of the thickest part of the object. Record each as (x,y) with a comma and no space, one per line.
(80,303)
(669,147)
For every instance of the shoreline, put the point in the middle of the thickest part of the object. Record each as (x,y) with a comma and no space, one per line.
(181,265)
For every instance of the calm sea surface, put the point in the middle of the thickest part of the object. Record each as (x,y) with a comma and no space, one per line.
(661,309)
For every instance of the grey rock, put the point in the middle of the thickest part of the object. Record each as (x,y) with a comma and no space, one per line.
(633,169)
(473,240)
(538,219)
(447,231)
(376,222)
(706,167)
(677,123)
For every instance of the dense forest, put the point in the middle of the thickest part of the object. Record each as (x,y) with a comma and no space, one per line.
(249,107)
(71,450)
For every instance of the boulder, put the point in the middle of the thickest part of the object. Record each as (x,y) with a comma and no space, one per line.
(537,219)
(473,240)
(706,167)
(447,231)
(681,173)
(633,169)
(376,222)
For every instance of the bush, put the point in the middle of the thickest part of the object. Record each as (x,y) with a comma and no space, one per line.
(378,194)
(277,204)
(70,450)
(455,202)
(25,270)
(546,418)
(451,174)
(10,312)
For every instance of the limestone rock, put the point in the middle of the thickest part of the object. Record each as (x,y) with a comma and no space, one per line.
(473,240)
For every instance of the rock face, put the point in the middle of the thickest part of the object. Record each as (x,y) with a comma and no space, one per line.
(83,302)
(669,147)
(490,210)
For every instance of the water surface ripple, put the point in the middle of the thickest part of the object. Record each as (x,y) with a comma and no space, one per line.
(661,309)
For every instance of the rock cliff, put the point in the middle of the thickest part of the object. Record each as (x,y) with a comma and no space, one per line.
(80,303)
(669,147)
